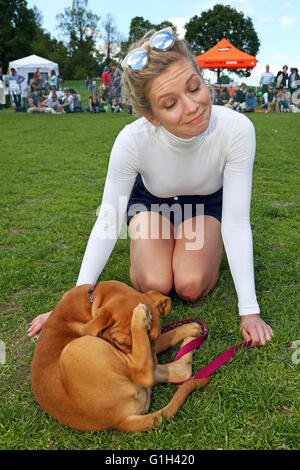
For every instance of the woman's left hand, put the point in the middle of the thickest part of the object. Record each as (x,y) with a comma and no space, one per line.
(254,329)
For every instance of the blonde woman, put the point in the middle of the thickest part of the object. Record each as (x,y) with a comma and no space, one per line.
(183,173)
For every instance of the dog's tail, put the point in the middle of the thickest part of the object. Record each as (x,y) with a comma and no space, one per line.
(138,423)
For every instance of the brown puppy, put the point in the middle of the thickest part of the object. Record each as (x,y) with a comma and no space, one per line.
(94,365)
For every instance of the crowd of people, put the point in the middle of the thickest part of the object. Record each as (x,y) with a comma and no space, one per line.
(108,96)
(274,94)
(46,96)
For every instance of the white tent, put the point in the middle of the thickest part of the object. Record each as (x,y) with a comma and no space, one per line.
(28,65)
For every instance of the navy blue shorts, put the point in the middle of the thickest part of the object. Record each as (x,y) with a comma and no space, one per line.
(176,209)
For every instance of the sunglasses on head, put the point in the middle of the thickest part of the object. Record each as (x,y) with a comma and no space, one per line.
(138,59)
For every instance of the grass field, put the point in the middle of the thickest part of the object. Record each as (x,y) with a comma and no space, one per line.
(52,171)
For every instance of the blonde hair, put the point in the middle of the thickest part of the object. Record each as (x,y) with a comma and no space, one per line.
(135,84)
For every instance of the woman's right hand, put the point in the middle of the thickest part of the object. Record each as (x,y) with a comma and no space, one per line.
(37,324)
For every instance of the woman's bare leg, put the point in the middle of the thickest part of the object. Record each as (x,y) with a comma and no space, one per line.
(197,257)
(151,251)
(158,262)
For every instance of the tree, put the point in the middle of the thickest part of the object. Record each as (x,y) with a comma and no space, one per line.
(79,26)
(138,28)
(111,36)
(205,31)
(18,29)
(77,23)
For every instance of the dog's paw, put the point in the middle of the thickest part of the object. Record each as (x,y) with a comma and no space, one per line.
(144,313)
(194,329)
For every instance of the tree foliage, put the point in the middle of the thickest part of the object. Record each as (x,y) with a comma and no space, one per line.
(138,28)
(79,27)
(18,29)
(205,31)
(111,36)
(77,23)
(22,34)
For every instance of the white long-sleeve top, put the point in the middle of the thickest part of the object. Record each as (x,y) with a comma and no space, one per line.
(170,166)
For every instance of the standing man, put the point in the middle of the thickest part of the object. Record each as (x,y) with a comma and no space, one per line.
(15,80)
(106,79)
(266,79)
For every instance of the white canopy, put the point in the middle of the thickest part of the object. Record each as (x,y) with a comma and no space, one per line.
(28,65)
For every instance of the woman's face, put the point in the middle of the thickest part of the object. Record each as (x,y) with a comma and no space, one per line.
(180,101)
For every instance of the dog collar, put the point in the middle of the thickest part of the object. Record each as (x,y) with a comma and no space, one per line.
(91,293)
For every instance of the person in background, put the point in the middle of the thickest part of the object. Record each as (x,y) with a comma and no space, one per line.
(43,94)
(240,98)
(53,78)
(272,103)
(224,96)
(116,76)
(283,99)
(35,105)
(259,96)
(68,103)
(250,101)
(106,79)
(15,80)
(2,90)
(52,102)
(76,100)
(282,78)
(37,77)
(58,93)
(266,79)
(87,83)
(93,106)
(294,80)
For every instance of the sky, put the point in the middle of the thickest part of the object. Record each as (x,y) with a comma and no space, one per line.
(276,22)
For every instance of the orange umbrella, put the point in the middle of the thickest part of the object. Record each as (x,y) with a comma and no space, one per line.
(225,56)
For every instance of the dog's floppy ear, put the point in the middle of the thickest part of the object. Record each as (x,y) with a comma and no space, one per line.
(162,302)
(101,321)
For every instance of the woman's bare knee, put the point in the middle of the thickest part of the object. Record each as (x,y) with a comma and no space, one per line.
(146,281)
(192,288)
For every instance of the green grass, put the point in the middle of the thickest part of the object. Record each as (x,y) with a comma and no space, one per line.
(52,171)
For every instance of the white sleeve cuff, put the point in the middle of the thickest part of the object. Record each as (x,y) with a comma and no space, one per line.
(249,310)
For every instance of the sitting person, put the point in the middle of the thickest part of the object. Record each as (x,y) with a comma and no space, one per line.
(259,96)
(95,102)
(68,102)
(76,100)
(43,94)
(224,97)
(250,101)
(284,98)
(34,102)
(116,106)
(58,93)
(272,103)
(240,98)
(52,102)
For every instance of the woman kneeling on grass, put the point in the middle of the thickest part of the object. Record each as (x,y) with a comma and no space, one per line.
(180,170)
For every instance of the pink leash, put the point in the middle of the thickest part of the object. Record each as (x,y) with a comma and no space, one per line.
(195,343)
